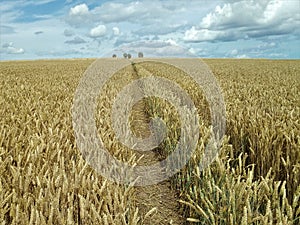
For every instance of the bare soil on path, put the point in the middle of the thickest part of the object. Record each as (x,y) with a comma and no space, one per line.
(160,198)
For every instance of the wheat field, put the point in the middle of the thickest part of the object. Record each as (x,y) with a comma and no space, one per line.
(254,180)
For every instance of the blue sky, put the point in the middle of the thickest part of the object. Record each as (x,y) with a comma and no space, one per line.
(32,29)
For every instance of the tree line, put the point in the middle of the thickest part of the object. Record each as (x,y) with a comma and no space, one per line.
(129,56)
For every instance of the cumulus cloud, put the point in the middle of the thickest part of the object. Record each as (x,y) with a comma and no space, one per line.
(234,52)
(79,15)
(13,50)
(98,31)
(79,10)
(236,14)
(195,35)
(76,40)
(254,28)
(172,42)
(250,13)
(10,49)
(116,31)
(137,12)
(107,12)
(247,19)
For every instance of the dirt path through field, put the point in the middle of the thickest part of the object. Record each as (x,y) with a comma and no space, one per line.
(159,198)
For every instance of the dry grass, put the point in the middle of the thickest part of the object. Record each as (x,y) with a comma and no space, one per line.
(255,179)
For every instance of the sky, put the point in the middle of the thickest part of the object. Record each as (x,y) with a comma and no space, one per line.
(39,29)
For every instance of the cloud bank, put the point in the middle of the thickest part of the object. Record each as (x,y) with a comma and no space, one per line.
(220,28)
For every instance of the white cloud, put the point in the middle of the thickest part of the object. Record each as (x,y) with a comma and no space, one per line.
(108,12)
(194,35)
(255,28)
(193,51)
(79,15)
(172,42)
(198,35)
(79,10)
(275,9)
(26,39)
(10,49)
(98,31)
(116,31)
(133,11)
(247,19)
(234,52)
(156,48)
(244,56)
(242,13)
(146,12)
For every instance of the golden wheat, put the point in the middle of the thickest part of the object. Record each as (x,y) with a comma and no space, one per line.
(254,180)
(44,179)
